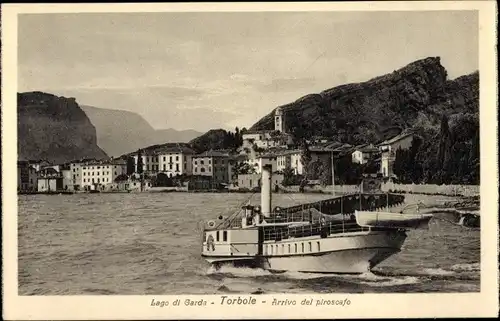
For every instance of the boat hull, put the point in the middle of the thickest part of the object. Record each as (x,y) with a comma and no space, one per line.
(353,254)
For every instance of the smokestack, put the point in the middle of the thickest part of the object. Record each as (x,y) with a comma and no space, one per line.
(265,191)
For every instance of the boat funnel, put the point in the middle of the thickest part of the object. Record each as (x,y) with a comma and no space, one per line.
(265,191)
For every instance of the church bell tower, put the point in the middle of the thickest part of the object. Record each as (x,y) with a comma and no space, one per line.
(279,120)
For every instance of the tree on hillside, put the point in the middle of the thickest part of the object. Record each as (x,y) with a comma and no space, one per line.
(288,177)
(444,156)
(130,165)
(121,178)
(406,166)
(140,165)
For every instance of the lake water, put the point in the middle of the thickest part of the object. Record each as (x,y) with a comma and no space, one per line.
(148,243)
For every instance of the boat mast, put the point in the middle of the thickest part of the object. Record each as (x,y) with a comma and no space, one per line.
(333,177)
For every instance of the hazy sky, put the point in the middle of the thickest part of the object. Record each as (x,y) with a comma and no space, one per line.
(221,70)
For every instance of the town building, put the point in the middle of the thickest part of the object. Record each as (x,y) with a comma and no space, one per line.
(289,159)
(49,180)
(75,168)
(363,153)
(252,181)
(265,139)
(39,164)
(26,176)
(259,161)
(171,159)
(388,150)
(202,183)
(67,179)
(97,174)
(214,164)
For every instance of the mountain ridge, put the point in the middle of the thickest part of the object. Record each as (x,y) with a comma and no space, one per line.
(55,129)
(120,132)
(370,111)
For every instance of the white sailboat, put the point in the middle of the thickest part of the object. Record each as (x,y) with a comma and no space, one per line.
(332,236)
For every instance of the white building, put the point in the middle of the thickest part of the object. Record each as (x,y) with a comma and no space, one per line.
(388,149)
(172,160)
(265,139)
(362,154)
(290,159)
(96,175)
(258,162)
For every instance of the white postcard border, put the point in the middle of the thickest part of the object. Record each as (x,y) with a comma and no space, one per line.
(485,303)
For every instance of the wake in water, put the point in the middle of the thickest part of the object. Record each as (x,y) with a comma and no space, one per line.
(227,273)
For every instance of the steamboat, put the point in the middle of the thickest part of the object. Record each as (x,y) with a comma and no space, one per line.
(346,234)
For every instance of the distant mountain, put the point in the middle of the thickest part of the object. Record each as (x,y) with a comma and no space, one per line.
(414,96)
(120,132)
(54,128)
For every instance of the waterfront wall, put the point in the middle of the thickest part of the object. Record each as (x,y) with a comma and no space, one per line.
(465,190)
(452,190)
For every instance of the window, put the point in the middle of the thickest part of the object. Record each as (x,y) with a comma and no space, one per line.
(310,247)
(98,167)
(289,248)
(115,173)
(176,158)
(170,165)
(317,245)
(295,247)
(282,248)
(196,169)
(164,167)
(164,158)
(302,247)
(84,180)
(177,167)
(202,162)
(209,161)
(195,162)
(202,169)
(217,236)
(224,236)
(170,159)
(98,180)
(209,168)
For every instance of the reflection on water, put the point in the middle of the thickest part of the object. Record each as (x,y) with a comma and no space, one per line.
(149,244)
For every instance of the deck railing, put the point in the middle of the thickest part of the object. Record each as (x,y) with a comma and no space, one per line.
(278,233)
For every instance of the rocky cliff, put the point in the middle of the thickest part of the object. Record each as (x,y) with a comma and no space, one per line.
(120,132)
(54,128)
(413,96)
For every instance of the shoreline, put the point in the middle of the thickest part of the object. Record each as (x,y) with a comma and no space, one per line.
(235,192)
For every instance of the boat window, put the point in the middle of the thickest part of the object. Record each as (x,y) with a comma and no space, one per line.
(295,247)
(224,236)
(319,249)
(302,247)
(217,236)
(310,247)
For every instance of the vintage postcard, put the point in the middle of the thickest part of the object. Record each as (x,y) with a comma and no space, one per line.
(268,160)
